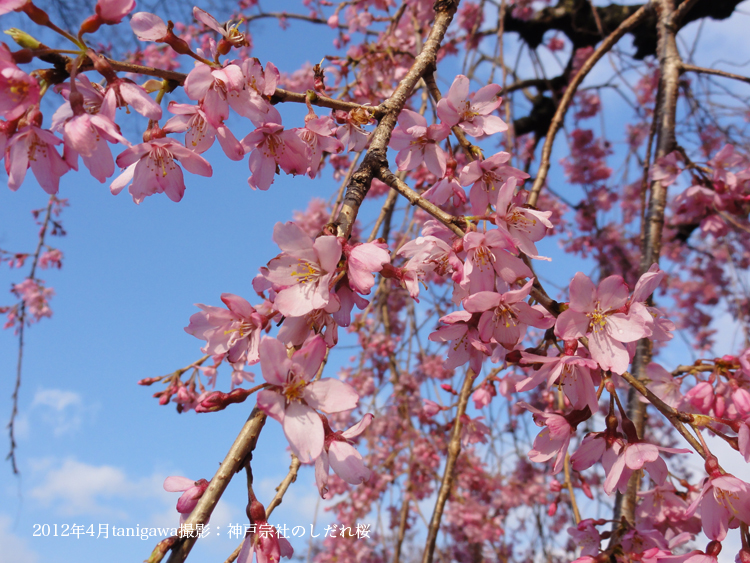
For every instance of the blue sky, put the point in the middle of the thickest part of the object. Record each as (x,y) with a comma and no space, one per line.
(94,447)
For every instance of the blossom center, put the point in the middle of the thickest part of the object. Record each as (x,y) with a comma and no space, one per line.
(598,319)
(306,272)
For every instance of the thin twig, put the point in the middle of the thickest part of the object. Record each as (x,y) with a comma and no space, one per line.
(454,448)
(567,98)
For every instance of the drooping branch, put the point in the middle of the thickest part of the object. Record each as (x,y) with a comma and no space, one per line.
(21,324)
(562,108)
(424,61)
(670,64)
(454,449)
(234,461)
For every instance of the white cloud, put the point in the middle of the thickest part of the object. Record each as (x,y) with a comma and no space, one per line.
(14,548)
(76,488)
(61,409)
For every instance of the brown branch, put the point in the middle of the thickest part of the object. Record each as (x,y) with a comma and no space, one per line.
(234,461)
(562,108)
(290,478)
(454,448)
(692,68)
(375,159)
(666,111)
(450,221)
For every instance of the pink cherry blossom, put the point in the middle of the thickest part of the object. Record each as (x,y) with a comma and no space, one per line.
(271,146)
(472,113)
(318,133)
(235,330)
(633,456)
(210,86)
(152,169)
(594,312)
(572,371)
(587,537)
(363,260)
(351,134)
(193,491)
(504,316)
(525,225)
(465,346)
(666,169)
(340,454)
(122,92)
(553,440)
(305,270)
(18,91)
(723,502)
(88,135)
(32,147)
(294,397)
(487,256)
(486,178)
(200,131)
(417,143)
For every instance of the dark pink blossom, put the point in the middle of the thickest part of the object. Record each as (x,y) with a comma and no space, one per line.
(193,491)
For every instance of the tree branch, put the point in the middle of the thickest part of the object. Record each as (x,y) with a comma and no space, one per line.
(234,461)
(562,108)
(454,448)
(425,60)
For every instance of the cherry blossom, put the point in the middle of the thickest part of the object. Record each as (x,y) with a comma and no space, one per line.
(573,372)
(417,143)
(32,147)
(304,269)
(339,453)
(150,168)
(594,313)
(723,502)
(200,131)
(504,316)
(472,113)
(486,177)
(271,146)
(18,91)
(234,331)
(192,492)
(294,397)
